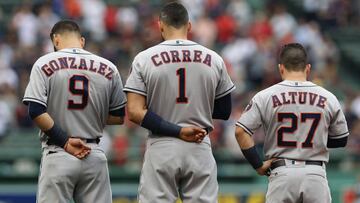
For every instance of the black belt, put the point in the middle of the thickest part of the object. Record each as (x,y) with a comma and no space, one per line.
(95,141)
(281,162)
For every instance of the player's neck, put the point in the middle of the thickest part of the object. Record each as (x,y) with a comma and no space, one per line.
(295,77)
(172,34)
(70,44)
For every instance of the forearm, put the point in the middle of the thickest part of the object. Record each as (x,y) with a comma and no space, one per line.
(247,146)
(114,120)
(44,122)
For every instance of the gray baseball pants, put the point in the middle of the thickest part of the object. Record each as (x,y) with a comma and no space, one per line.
(174,168)
(64,178)
(298,183)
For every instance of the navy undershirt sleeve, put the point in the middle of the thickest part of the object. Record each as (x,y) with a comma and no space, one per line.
(222,107)
(35,109)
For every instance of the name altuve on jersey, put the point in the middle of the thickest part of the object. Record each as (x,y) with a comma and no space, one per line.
(64,63)
(299,98)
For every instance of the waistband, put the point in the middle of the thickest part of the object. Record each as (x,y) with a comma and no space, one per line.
(288,162)
(94,141)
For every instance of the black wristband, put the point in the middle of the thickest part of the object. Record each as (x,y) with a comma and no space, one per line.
(253,157)
(57,136)
(159,126)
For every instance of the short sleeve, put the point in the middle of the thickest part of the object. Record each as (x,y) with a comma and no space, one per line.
(118,98)
(36,90)
(135,82)
(338,126)
(250,120)
(225,85)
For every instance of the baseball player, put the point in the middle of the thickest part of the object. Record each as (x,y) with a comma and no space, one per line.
(72,94)
(301,121)
(173,87)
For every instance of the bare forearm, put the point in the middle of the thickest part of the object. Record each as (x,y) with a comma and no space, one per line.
(44,122)
(115,120)
(244,140)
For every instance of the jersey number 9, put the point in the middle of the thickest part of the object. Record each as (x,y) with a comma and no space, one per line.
(82,92)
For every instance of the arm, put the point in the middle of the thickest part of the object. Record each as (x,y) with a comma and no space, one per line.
(222,107)
(43,120)
(247,145)
(139,114)
(337,143)
(116,117)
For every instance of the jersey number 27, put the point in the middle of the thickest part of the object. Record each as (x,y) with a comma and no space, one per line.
(308,142)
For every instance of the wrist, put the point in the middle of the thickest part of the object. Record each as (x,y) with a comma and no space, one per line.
(253,157)
(159,126)
(56,136)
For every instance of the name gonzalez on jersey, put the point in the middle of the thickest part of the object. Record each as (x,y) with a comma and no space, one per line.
(63,63)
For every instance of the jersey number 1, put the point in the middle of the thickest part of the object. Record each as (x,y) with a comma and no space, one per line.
(181,73)
(308,143)
(78,91)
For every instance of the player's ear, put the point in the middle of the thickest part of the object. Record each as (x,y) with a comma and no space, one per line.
(189,26)
(82,42)
(307,70)
(56,41)
(161,26)
(281,69)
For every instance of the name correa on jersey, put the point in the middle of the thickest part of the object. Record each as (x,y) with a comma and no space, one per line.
(64,63)
(177,56)
(299,98)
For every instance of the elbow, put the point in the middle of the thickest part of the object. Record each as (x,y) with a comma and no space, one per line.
(132,115)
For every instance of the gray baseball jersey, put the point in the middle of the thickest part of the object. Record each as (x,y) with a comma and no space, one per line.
(297,118)
(78,88)
(180,80)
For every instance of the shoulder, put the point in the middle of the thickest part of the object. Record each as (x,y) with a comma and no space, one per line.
(105,61)
(45,59)
(267,92)
(329,95)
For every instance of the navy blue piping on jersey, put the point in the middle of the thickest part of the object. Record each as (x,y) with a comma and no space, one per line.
(26,101)
(75,53)
(335,136)
(245,128)
(179,44)
(298,86)
(129,89)
(225,93)
(337,143)
(117,106)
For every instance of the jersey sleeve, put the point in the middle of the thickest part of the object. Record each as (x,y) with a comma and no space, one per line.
(250,119)
(36,90)
(338,126)
(225,85)
(118,98)
(135,82)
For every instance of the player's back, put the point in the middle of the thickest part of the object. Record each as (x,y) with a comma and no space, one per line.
(297,118)
(79,90)
(182,80)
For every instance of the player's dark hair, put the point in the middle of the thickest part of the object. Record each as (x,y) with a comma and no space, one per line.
(65,26)
(293,56)
(174,14)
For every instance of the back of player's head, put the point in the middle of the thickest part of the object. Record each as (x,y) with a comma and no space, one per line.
(293,56)
(65,26)
(174,14)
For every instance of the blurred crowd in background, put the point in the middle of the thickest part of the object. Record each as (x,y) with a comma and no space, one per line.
(247,34)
